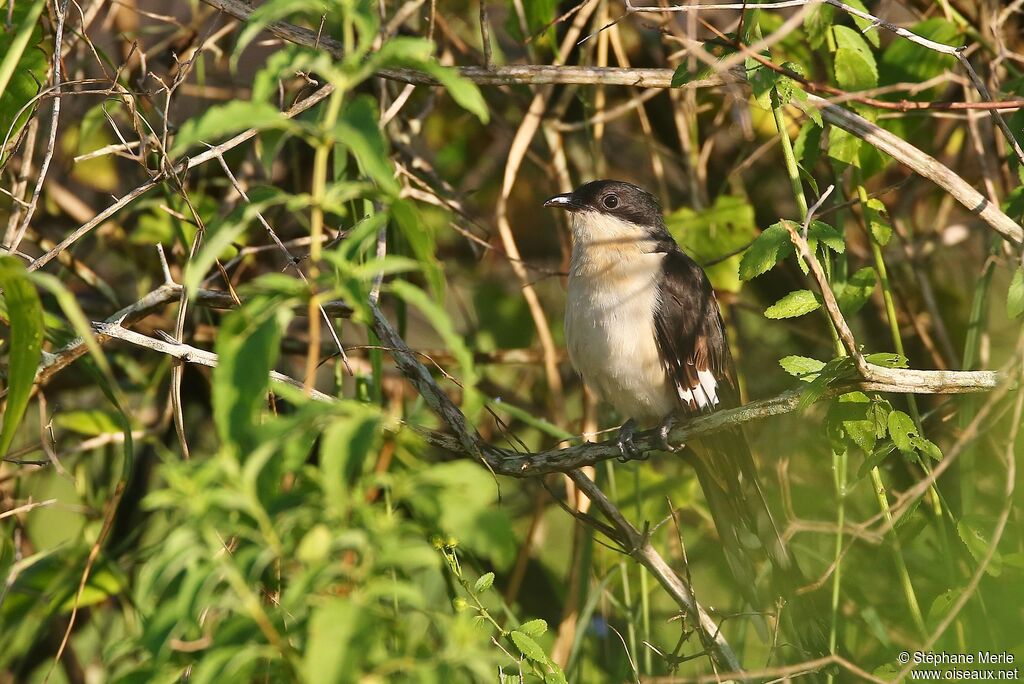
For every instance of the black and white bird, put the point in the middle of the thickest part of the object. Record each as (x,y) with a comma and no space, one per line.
(643,328)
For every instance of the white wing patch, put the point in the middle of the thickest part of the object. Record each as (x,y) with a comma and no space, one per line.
(704,395)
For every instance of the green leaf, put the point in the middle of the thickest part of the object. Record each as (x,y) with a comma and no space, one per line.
(455,342)
(533,628)
(907,62)
(682,75)
(88,422)
(484,582)
(902,430)
(867,31)
(528,647)
(330,656)
(853,412)
(888,359)
(843,147)
(802,367)
(878,221)
(345,448)
(818,23)
(556,676)
(853,293)
(854,71)
(1015,295)
(220,121)
(723,228)
(463,91)
(771,246)
(247,344)
(359,130)
(836,370)
(807,146)
(794,304)
(423,243)
(850,39)
(762,80)
(927,447)
(819,231)
(268,13)
(26,343)
(977,542)
(23,67)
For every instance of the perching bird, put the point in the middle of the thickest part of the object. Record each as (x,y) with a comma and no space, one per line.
(643,328)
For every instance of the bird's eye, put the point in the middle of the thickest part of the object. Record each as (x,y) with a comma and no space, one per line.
(611,201)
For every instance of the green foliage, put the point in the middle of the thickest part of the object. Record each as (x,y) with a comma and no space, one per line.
(322,538)
(794,304)
(770,247)
(25,317)
(722,229)
(23,65)
(1015,295)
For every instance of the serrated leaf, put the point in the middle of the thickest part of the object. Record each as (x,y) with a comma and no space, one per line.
(484,583)
(762,80)
(528,647)
(802,367)
(927,448)
(794,304)
(25,314)
(827,235)
(533,628)
(770,247)
(1015,295)
(902,430)
(853,412)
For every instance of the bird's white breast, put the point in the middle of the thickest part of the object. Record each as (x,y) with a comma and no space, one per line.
(609,321)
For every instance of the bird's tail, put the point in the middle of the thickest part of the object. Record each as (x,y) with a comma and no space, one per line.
(725,470)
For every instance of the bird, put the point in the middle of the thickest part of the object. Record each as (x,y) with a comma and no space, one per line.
(644,330)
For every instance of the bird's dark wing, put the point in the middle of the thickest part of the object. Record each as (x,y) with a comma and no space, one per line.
(691,335)
(691,338)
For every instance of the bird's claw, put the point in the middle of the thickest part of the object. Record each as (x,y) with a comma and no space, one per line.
(626,446)
(663,431)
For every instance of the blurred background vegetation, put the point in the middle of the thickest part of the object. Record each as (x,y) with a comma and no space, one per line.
(168,521)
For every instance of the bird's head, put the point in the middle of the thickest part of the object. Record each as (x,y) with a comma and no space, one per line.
(610,212)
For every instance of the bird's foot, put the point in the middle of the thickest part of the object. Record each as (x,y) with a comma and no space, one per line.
(626,446)
(663,431)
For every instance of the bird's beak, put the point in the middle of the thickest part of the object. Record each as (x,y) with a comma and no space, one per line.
(564,201)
